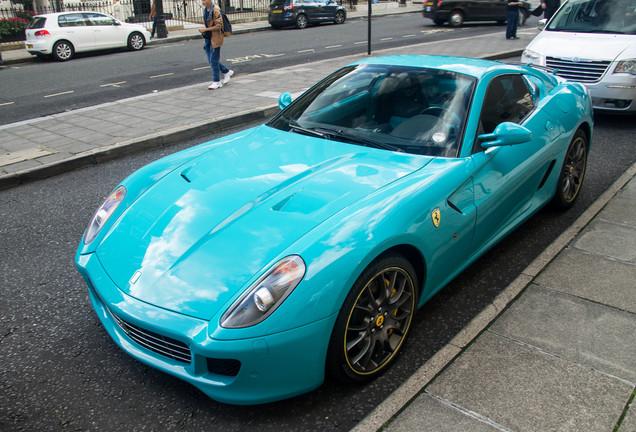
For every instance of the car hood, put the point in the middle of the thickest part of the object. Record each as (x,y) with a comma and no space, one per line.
(205,230)
(585,46)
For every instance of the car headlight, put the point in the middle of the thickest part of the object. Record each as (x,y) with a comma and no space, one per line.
(531,56)
(104,212)
(626,66)
(264,296)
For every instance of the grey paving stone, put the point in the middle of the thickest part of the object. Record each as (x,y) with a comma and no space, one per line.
(629,190)
(588,276)
(594,335)
(621,209)
(524,389)
(609,239)
(429,414)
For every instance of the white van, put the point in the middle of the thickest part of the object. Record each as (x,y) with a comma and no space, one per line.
(592,42)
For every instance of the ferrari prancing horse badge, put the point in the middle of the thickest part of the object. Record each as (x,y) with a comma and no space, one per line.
(436,217)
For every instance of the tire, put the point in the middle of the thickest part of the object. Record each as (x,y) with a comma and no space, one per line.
(572,172)
(340,17)
(63,50)
(439,22)
(456,19)
(136,41)
(374,320)
(301,21)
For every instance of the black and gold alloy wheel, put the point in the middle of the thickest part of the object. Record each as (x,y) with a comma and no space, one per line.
(572,172)
(374,319)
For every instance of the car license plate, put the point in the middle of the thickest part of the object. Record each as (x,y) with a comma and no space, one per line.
(428,8)
(277,11)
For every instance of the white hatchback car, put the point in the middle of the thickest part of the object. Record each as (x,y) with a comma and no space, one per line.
(592,42)
(63,34)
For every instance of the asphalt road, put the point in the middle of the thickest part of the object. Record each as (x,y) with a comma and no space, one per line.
(59,370)
(40,88)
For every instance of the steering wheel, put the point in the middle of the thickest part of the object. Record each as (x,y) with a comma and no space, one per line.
(440,111)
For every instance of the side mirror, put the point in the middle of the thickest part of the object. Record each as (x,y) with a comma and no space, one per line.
(284,100)
(506,134)
(542,23)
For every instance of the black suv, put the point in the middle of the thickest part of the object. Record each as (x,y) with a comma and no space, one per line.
(456,12)
(300,13)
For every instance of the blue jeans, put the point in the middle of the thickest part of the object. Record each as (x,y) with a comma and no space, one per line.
(513,21)
(214,56)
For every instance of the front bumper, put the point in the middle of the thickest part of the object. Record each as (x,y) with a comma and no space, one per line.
(243,372)
(617,94)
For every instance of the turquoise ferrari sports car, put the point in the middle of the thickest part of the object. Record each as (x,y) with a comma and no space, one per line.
(253,265)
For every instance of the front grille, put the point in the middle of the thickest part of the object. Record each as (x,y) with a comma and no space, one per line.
(157,343)
(578,70)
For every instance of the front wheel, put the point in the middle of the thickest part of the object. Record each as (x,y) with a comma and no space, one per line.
(136,41)
(572,172)
(374,320)
(301,21)
(340,17)
(63,50)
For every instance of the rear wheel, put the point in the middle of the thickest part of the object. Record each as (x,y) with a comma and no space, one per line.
(63,50)
(572,172)
(340,17)
(136,41)
(374,320)
(456,19)
(301,21)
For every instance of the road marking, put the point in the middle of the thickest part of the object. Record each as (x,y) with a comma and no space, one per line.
(60,94)
(162,75)
(201,68)
(307,50)
(117,84)
(333,46)
(7,103)
(407,36)
(389,38)
(360,43)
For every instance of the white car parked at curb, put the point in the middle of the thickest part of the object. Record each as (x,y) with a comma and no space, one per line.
(63,34)
(592,42)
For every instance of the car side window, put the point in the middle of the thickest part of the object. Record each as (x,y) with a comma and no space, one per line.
(96,19)
(71,20)
(508,99)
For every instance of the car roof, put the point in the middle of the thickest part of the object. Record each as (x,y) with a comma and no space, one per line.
(465,65)
(55,14)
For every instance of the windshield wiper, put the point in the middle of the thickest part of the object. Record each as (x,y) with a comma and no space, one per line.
(340,134)
(294,126)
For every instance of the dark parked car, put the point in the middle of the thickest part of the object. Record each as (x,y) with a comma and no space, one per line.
(456,12)
(301,13)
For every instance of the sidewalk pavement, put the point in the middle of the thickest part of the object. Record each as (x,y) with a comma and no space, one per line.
(555,351)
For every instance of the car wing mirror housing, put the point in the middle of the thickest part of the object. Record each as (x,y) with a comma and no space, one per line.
(506,134)
(284,100)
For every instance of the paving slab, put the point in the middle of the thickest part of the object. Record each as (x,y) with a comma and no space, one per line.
(609,239)
(592,277)
(525,389)
(427,413)
(581,331)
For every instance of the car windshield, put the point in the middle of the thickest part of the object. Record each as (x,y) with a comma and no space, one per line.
(596,16)
(398,108)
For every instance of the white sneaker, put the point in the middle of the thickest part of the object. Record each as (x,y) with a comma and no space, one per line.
(226,76)
(215,85)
